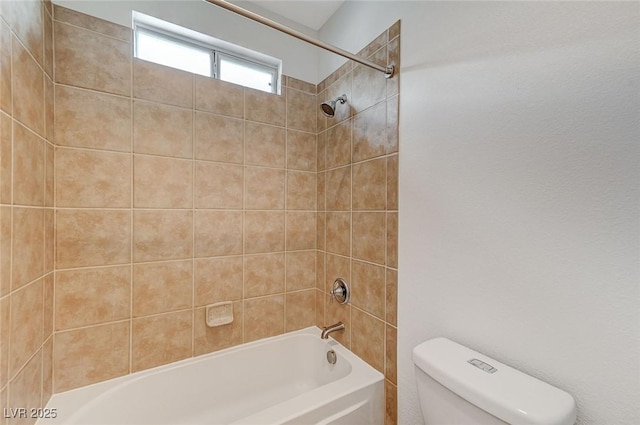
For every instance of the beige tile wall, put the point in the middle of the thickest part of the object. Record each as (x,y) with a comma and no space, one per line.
(358,208)
(174,191)
(26,205)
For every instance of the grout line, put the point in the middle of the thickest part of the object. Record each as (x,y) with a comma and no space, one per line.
(193,215)
(131,209)
(286,221)
(244,213)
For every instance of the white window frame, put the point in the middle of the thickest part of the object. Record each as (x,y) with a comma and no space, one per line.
(217,49)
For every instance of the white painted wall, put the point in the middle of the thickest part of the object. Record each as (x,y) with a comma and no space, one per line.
(299,60)
(519,188)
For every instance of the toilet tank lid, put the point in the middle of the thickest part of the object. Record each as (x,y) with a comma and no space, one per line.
(494,387)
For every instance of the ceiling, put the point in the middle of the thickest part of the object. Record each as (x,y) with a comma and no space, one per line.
(310,13)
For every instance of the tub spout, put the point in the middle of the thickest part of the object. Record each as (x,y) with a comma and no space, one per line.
(330,329)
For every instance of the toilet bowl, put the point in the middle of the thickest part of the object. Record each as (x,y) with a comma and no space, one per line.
(459,386)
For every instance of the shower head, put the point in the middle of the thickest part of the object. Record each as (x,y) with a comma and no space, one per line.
(329,107)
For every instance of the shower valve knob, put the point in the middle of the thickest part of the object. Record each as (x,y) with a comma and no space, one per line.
(340,291)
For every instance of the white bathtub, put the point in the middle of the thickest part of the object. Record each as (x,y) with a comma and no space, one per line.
(280,380)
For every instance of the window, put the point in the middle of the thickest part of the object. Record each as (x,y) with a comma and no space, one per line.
(170,45)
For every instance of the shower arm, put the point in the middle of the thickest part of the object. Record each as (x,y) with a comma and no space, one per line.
(387,70)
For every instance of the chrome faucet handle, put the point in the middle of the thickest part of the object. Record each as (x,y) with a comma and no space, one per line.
(340,291)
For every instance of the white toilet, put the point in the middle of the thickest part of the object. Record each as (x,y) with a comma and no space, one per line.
(459,386)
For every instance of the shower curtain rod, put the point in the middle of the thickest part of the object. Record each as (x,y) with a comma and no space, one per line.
(387,70)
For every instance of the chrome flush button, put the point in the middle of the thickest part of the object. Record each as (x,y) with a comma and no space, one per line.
(486,367)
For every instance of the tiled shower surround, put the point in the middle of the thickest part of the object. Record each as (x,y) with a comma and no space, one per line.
(174,191)
(358,208)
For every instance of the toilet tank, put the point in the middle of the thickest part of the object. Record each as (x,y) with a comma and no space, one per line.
(457,385)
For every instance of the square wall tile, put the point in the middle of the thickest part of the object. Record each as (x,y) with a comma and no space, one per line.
(48,42)
(6,157)
(338,233)
(368,285)
(339,144)
(218,279)
(370,185)
(5,337)
(49,239)
(391,367)
(92,238)
(301,190)
(391,403)
(47,371)
(49,175)
(49,113)
(321,153)
(301,231)
(392,125)
(219,97)
(320,308)
(218,233)
(81,55)
(321,231)
(370,133)
(264,231)
(28,86)
(89,119)
(265,107)
(264,274)
(392,182)
(301,270)
(369,236)
(93,179)
(392,297)
(5,250)
(89,355)
(320,270)
(28,167)
(219,138)
(25,389)
(28,245)
(392,240)
(302,151)
(368,337)
(26,324)
(162,130)
(86,297)
(162,182)
(162,235)
(161,339)
(47,310)
(219,186)
(263,317)
(301,110)
(301,310)
(6,81)
(339,189)
(162,287)
(158,83)
(264,188)
(264,145)
(321,191)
